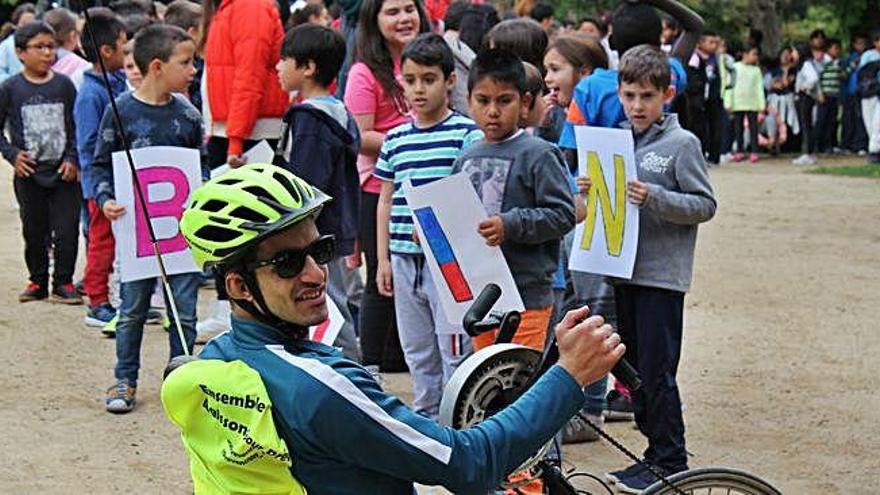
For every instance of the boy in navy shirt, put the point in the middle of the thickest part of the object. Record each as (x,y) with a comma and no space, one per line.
(153,115)
(36,106)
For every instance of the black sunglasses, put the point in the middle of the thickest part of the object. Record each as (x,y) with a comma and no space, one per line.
(288,264)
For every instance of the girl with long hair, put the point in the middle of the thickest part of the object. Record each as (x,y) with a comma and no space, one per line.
(374,96)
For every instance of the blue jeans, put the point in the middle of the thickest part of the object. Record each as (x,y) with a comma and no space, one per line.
(133,314)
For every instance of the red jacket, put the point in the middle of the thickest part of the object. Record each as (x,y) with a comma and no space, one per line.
(243,47)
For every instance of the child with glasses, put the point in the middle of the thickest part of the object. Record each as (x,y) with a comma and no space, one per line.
(36,107)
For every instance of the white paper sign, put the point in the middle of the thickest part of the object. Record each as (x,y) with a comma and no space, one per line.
(446,214)
(260,153)
(168,175)
(606,242)
(327,331)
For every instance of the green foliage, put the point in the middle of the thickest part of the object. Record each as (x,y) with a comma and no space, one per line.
(731,18)
(11,3)
(869,171)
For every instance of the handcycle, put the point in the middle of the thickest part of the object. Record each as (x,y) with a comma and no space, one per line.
(496,376)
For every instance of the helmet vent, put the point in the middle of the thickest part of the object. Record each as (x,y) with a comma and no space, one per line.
(259,192)
(216,234)
(229,182)
(214,205)
(284,181)
(249,214)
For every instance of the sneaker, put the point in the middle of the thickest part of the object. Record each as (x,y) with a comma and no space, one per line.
(99,316)
(619,407)
(614,476)
(80,288)
(120,398)
(638,481)
(33,292)
(66,294)
(577,431)
(874,158)
(753,158)
(154,317)
(805,160)
(725,158)
(109,329)
(738,157)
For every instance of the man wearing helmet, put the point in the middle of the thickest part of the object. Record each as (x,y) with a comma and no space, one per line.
(344,434)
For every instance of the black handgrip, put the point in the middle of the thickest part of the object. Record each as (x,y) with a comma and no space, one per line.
(627,375)
(480,308)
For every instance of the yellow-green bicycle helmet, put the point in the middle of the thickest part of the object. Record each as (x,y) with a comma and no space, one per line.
(231,213)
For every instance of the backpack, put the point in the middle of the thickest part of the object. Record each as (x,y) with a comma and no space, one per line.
(868,81)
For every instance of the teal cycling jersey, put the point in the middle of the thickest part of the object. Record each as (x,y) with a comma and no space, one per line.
(347,436)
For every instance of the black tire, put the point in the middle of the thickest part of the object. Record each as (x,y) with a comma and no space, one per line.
(706,480)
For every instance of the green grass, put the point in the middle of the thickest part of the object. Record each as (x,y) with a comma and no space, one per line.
(870,171)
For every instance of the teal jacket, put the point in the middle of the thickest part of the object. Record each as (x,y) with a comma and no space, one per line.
(347,436)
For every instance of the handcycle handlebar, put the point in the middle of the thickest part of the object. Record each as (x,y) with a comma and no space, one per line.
(480,318)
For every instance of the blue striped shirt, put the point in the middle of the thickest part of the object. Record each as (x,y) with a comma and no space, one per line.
(420,156)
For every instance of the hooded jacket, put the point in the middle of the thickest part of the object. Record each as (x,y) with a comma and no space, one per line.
(243,47)
(318,148)
(670,160)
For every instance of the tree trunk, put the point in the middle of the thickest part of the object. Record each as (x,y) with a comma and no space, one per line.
(764,16)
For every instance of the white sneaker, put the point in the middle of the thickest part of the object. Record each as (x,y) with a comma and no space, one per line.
(219,322)
(725,158)
(804,159)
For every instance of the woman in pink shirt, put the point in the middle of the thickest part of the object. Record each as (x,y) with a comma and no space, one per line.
(374,96)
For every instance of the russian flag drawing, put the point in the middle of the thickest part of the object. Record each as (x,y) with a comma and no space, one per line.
(439,244)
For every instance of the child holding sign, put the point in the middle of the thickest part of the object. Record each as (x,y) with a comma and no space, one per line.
(524,186)
(674,194)
(153,116)
(420,152)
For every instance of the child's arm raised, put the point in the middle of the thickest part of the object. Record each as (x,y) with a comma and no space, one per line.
(691,23)
(553,214)
(694,202)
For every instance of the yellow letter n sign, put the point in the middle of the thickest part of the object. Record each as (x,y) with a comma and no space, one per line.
(606,241)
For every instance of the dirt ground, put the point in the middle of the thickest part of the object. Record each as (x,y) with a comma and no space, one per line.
(779,371)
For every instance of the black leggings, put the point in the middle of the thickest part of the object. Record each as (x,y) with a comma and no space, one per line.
(380,344)
(740,131)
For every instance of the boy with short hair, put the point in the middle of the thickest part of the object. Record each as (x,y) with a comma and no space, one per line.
(674,196)
(152,116)
(420,152)
(36,107)
(187,15)
(523,183)
(92,99)
(319,143)
(869,91)
(67,39)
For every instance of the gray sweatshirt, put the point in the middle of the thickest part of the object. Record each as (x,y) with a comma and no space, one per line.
(680,196)
(524,180)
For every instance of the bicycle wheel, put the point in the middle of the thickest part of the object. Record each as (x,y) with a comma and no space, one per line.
(714,481)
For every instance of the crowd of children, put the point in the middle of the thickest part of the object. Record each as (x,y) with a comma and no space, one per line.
(809,99)
(389,103)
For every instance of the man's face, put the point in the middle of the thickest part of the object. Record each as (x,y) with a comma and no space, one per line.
(300,299)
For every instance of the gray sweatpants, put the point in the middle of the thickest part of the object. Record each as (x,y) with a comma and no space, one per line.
(432,346)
